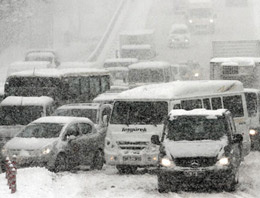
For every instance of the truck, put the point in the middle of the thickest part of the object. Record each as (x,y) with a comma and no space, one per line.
(137,44)
(200,16)
(236,60)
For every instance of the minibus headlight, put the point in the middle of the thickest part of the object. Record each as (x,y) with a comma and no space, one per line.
(252,132)
(190,21)
(166,162)
(196,74)
(46,151)
(211,20)
(224,161)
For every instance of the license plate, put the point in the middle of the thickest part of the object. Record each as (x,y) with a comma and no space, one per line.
(131,158)
(190,173)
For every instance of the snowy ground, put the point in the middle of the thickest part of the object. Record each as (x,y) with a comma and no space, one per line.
(40,183)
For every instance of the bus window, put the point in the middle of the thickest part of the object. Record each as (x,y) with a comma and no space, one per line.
(73,87)
(206,103)
(105,83)
(84,85)
(234,104)
(251,102)
(216,103)
(94,84)
(191,104)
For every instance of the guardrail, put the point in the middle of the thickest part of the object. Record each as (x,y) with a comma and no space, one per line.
(10,173)
(94,55)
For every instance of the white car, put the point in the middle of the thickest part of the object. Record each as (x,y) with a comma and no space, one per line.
(179,36)
(58,143)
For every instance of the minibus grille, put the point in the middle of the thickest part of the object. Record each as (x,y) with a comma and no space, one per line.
(195,162)
(132,145)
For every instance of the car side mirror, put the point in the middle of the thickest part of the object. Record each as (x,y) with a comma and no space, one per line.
(69,138)
(155,140)
(237,138)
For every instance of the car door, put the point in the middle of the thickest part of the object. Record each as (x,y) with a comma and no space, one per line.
(90,142)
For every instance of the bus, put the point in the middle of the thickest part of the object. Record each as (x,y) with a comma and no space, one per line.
(253,108)
(138,114)
(244,69)
(150,72)
(64,85)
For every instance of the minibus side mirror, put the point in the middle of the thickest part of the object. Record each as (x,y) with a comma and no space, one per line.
(155,140)
(237,138)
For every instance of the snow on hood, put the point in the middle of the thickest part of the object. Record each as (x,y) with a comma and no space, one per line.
(29,143)
(202,148)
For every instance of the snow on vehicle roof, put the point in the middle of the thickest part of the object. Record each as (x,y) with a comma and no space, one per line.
(196,112)
(179,26)
(251,90)
(41,50)
(141,46)
(117,69)
(80,106)
(30,63)
(105,97)
(77,65)
(26,101)
(61,119)
(235,59)
(137,32)
(83,71)
(40,54)
(181,89)
(241,64)
(51,72)
(149,64)
(121,60)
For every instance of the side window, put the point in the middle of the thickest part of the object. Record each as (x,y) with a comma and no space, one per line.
(191,104)
(106,111)
(49,110)
(73,130)
(251,103)
(206,103)
(94,85)
(105,83)
(177,106)
(73,88)
(216,103)
(84,84)
(85,128)
(234,104)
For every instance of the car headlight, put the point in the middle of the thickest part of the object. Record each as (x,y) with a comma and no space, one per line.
(46,151)
(186,40)
(4,151)
(165,161)
(196,75)
(211,20)
(224,161)
(190,21)
(252,132)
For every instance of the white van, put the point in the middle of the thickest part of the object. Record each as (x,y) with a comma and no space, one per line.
(139,113)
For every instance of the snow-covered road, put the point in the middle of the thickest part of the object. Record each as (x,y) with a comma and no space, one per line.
(40,183)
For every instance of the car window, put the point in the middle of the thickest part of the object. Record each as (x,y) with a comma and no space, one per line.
(85,128)
(73,130)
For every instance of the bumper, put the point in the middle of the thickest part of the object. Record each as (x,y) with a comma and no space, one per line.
(197,177)
(140,160)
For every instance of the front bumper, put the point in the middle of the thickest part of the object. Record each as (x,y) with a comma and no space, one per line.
(140,160)
(195,176)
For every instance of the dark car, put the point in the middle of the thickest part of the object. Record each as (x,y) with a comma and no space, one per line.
(199,148)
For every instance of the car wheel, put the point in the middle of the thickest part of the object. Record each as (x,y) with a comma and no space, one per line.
(61,163)
(125,169)
(232,182)
(98,160)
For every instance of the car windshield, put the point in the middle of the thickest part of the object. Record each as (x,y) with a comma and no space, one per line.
(88,113)
(19,115)
(138,112)
(196,128)
(200,13)
(41,130)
